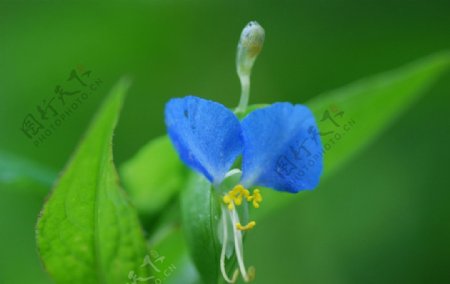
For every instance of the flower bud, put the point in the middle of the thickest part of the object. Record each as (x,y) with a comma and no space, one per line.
(250,45)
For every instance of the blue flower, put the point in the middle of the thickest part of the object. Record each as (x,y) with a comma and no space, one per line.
(276,142)
(279,145)
(280,149)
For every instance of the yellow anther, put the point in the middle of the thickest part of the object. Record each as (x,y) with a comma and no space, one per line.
(226,199)
(257,195)
(235,196)
(255,198)
(247,227)
(237,190)
(238,200)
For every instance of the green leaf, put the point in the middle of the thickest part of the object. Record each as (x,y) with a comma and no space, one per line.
(369,106)
(88,232)
(201,214)
(153,176)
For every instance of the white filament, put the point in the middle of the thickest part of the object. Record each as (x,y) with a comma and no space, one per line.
(224,248)
(238,245)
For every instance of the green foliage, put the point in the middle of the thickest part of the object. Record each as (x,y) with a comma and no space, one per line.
(370,106)
(201,215)
(374,103)
(88,232)
(153,176)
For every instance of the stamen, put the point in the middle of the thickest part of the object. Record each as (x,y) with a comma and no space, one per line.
(247,227)
(236,195)
(227,200)
(238,245)
(256,197)
(232,199)
(224,248)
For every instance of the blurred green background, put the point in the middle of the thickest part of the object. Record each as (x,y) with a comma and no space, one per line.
(384,218)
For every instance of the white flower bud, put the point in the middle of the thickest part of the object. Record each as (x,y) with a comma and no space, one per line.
(250,45)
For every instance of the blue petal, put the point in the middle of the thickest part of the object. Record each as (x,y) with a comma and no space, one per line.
(206,135)
(282,148)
